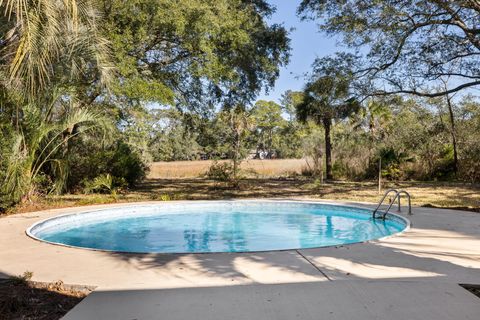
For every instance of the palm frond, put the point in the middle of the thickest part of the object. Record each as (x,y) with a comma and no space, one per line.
(42,143)
(50,39)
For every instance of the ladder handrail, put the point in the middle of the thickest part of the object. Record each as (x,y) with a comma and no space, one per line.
(409,200)
(383,199)
(397,195)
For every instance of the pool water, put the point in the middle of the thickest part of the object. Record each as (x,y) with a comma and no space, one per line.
(216,226)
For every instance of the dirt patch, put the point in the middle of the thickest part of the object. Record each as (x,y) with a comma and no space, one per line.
(28,300)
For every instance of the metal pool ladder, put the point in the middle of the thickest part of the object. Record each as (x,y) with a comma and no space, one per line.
(397,195)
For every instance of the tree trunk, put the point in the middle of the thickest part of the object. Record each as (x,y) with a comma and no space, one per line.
(236,154)
(380,175)
(454,136)
(327,124)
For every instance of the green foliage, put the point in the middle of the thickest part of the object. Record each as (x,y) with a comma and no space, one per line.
(126,164)
(268,124)
(174,139)
(470,165)
(289,102)
(182,77)
(6,140)
(118,160)
(55,63)
(328,97)
(391,160)
(42,145)
(25,277)
(47,42)
(170,197)
(237,123)
(413,141)
(194,53)
(165,197)
(50,52)
(407,46)
(313,148)
(469,137)
(104,183)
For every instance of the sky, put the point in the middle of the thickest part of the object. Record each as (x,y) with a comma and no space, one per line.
(307,43)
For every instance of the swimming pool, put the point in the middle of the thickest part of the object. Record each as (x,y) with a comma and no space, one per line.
(216,226)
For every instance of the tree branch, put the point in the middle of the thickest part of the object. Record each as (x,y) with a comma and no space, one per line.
(426,94)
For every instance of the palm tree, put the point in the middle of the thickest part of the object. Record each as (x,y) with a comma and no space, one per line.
(46,48)
(43,41)
(326,99)
(375,116)
(44,143)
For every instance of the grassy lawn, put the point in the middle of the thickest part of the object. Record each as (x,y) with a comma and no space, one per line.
(437,194)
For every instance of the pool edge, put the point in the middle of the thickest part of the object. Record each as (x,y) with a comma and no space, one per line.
(28,232)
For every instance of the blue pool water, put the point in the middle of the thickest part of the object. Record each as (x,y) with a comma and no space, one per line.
(216,226)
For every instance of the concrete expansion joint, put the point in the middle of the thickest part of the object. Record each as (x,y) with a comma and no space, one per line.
(319,270)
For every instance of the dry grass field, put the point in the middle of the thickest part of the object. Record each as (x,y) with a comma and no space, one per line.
(185,180)
(195,169)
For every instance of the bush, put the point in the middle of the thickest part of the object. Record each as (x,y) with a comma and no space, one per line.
(393,164)
(104,183)
(470,163)
(6,141)
(220,171)
(118,161)
(127,164)
(445,166)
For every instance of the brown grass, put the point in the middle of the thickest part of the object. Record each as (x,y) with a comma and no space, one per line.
(255,168)
(430,194)
(273,179)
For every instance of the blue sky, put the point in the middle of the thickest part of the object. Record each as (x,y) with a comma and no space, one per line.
(307,43)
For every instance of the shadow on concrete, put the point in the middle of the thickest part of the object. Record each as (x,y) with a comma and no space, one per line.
(262,267)
(442,252)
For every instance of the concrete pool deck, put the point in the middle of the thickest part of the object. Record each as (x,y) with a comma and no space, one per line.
(418,270)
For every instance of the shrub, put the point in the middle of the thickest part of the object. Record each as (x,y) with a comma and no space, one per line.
(118,160)
(220,171)
(393,164)
(470,163)
(23,278)
(104,183)
(127,164)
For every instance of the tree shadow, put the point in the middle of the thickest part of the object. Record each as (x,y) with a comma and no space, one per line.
(256,267)
(444,251)
(203,189)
